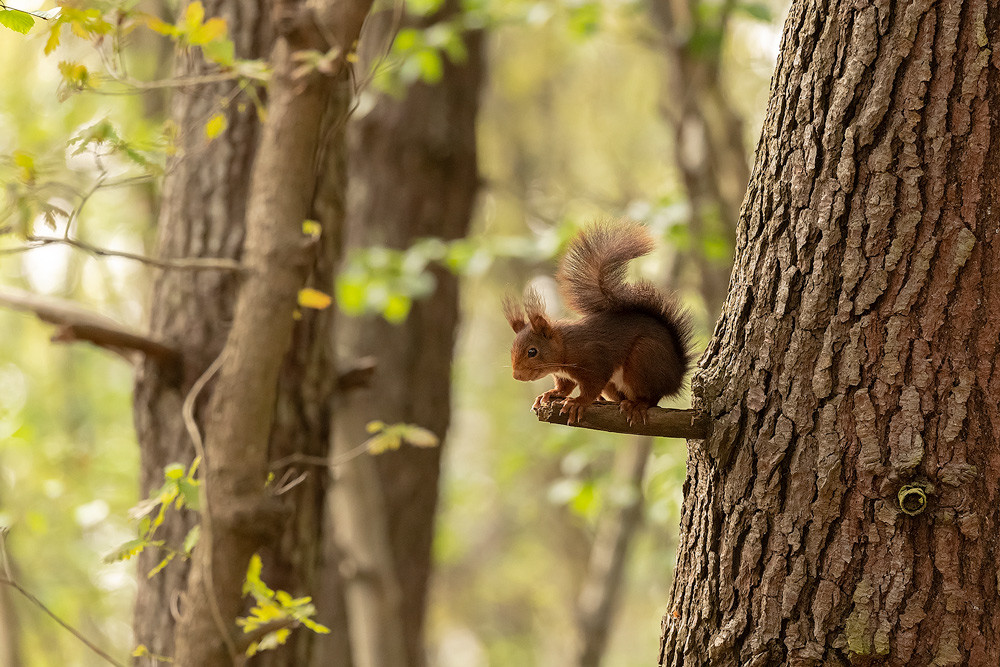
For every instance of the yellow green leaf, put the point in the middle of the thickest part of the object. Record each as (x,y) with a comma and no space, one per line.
(374,426)
(385,441)
(17,21)
(207,32)
(159,566)
(312,228)
(193,15)
(158,25)
(313,298)
(215,126)
(53,41)
(418,436)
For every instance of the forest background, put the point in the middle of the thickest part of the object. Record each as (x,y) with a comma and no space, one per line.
(578,120)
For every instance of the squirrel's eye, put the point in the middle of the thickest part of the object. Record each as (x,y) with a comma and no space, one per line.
(532,352)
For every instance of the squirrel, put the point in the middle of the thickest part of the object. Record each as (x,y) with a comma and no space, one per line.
(631,345)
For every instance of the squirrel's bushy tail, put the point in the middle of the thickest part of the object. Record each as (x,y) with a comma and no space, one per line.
(591,275)
(591,279)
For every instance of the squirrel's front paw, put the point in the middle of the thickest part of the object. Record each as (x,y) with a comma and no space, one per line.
(573,409)
(546,398)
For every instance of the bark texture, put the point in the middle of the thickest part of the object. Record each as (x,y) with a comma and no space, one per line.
(856,358)
(202,213)
(413,174)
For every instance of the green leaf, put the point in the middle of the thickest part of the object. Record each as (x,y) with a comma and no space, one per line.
(16,20)
(318,628)
(397,308)
(209,31)
(157,25)
(193,16)
(126,551)
(431,66)
(189,493)
(221,51)
(384,442)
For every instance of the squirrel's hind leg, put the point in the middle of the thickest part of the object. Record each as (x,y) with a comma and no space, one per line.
(636,412)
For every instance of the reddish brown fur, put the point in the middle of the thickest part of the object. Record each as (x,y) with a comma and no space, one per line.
(631,328)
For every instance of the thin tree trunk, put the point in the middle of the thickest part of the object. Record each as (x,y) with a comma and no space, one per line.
(842,508)
(413,175)
(371,586)
(239,514)
(602,584)
(203,207)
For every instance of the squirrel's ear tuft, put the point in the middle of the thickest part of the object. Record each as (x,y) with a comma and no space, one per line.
(535,309)
(514,314)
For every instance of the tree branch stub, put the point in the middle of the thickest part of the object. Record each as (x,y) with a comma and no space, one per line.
(662,422)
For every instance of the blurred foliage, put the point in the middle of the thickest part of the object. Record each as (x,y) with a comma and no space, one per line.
(571,129)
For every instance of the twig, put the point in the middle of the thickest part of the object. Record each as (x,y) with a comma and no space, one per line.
(662,422)
(358,375)
(187,411)
(189,263)
(9,581)
(76,633)
(332,462)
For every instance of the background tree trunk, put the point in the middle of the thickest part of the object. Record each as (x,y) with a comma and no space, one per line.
(708,135)
(413,174)
(203,212)
(854,359)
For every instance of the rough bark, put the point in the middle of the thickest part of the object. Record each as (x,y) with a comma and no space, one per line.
(203,207)
(856,358)
(413,174)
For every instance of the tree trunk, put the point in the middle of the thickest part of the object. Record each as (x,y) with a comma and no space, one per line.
(203,207)
(240,514)
(413,174)
(841,509)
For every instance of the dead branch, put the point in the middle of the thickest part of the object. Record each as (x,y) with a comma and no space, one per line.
(663,422)
(76,323)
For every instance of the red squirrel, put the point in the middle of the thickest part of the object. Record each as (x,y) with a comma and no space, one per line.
(631,344)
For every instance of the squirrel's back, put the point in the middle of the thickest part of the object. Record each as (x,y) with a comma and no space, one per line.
(591,279)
